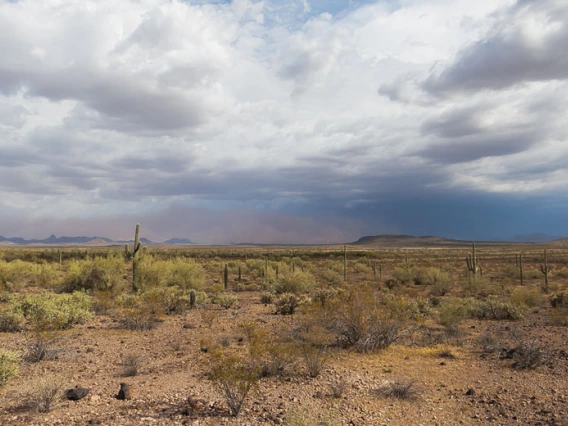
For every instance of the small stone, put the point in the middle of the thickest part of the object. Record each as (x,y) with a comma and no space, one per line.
(76,393)
(124,392)
(470,392)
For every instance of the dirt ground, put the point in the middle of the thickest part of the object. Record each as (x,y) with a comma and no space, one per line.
(457,381)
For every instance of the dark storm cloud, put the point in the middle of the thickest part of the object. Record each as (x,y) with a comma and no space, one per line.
(167,164)
(454,124)
(124,104)
(474,148)
(510,54)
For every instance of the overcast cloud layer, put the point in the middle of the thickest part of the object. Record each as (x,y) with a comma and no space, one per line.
(283,120)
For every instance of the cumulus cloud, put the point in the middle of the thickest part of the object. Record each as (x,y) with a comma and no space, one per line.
(267,114)
(526,44)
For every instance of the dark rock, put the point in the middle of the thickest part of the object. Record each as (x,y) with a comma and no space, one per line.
(124,392)
(470,392)
(76,393)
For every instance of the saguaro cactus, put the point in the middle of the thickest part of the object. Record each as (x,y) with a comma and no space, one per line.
(521,267)
(473,262)
(134,256)
(344,263)
(545,269)
(226,276)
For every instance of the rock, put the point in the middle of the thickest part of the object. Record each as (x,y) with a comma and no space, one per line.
(470,392)
(76,393)
(124,392)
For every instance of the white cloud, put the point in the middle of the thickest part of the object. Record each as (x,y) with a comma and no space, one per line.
(107,106)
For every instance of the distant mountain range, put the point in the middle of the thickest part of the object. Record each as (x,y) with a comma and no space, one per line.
(426,241)
(53,240)
(534,238)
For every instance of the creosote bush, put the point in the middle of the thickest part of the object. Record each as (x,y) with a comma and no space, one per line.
(44,393)
(98,274)
(9,365)
(130,365)
(287,303)
(40,347)
(49,311)
(296,282)
(365,321)
(233,376)
(399,389)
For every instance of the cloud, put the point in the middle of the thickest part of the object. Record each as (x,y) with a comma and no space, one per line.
(526,44)
(275,113)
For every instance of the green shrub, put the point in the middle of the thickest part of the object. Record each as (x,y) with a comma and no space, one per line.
(183,273)
(8,365)
(266,297)
(523,296)
(139,312)
(452,311)
(365,321)
(287,303)
(18,273)
(331,278)
(11,320)
(234,377)
(49,311)
(297,282)
(559,300)
(172,300)
(226,300)
(476,287)
(403,275)
(99,274)
(186,274)
(45,393)
(493,308)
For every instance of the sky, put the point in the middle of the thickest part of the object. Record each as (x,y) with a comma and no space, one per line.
(283,121)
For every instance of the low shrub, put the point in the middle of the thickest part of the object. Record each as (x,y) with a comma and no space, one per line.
(11,320)
(495,309)
(528,356)
(49,311)
(523,296)
(226,301)
(44,393)
(130,365)
(297,282)
(41,347)
(399,389)
(286,304)
(98,274)
(559,300)
(234,377)
(9,365)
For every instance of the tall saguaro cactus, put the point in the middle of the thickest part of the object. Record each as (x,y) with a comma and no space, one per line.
(226,277)
(521,267)
(545,269)
(134,256)
(473,262)
(344,262)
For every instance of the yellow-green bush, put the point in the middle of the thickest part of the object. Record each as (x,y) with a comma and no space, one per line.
(526,296)
(296,282)
(99,274)
(8,365)
(11,320)
(49,311)
(18,273)
(180,272)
